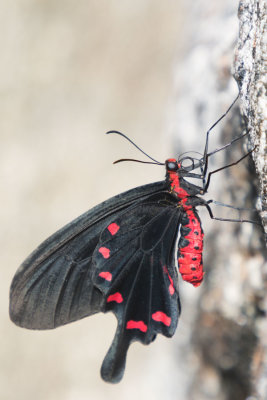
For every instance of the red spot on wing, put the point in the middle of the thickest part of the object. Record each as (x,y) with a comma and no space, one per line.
(160,316)
(113,228)
(105,275)
(136,325)
(104,251)
(171,287)
(115,297)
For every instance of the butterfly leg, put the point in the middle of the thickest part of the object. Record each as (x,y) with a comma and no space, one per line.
(224,167)
(227,219)
(206,152)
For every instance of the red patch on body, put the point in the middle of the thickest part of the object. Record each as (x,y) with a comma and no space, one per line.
(115,297)
(190,256)
(175,184)
(104,251)
(106,275)
(113,228)
(160,316)
(137,325)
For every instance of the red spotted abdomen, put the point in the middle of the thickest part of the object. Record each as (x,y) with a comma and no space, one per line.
(190,248)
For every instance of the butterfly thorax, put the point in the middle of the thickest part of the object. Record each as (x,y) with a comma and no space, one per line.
(177,185)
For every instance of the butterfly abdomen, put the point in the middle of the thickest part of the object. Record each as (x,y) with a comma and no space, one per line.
(190,248)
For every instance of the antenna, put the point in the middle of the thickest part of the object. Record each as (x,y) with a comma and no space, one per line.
(129,140)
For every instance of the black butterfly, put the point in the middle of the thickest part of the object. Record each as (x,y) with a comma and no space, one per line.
(119,257)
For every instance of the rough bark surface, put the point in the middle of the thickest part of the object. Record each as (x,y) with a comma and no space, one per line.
(250,73)
(225,321)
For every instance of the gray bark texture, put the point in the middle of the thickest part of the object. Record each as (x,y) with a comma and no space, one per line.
(250,73)
(225,322)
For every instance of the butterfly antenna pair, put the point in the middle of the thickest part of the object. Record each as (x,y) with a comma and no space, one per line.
(155,162)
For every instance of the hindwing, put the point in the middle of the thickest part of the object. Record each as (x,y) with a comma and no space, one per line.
(135,270)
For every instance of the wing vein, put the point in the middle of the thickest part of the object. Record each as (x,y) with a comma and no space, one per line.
(150,293)
(133,286)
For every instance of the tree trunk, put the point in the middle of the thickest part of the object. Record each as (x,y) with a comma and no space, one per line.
(250,74)
(227,347)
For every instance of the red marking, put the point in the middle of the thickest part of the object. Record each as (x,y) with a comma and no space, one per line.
(175,184)
(105,275)
(115,297)
(191,271)
(174,181)
(160,316)
(194,247)
(196,282)
(187,258)
(113,228)
(171,287)
(194,277)
(104,251)
(137,325)
(190,256)
(185,206)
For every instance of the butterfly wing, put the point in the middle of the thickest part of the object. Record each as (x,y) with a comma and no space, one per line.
(135,270)
(54,284)
(117,257)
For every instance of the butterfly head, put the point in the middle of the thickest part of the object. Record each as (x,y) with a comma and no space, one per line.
(172,165)
(182,166)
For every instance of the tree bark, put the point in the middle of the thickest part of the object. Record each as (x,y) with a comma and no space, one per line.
(225,355)
(250,73)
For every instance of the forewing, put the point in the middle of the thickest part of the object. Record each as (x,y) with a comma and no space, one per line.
(135,270)
(54,285)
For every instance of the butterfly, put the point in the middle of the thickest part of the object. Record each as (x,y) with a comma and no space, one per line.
(121,256)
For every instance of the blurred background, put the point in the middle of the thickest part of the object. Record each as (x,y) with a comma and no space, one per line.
(70,71)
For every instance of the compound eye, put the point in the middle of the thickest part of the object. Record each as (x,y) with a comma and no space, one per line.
(172,166)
